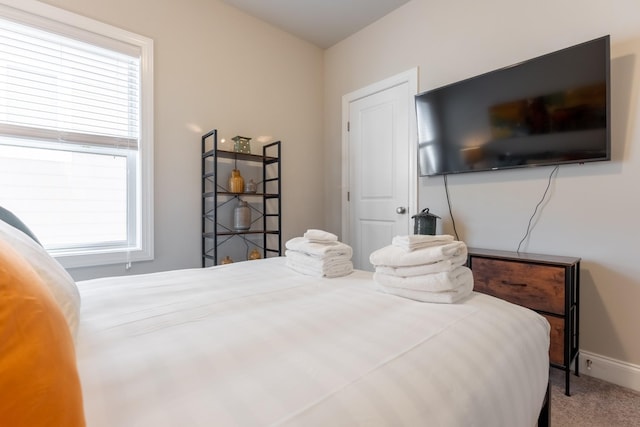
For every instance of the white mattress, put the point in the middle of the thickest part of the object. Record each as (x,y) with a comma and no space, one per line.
(256,344)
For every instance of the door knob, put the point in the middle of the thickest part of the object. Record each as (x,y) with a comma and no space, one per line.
(401,210)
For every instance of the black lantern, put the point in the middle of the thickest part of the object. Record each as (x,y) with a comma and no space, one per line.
(425,222)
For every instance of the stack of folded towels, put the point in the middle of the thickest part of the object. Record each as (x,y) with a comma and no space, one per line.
(319,253)
(424,268)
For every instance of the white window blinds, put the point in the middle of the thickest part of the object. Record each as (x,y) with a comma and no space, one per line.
(55,87)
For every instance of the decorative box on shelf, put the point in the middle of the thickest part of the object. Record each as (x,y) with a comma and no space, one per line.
(241,144)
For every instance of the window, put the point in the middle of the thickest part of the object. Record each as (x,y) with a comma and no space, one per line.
(76,132)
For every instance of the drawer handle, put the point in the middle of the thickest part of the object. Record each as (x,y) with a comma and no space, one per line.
(522,285)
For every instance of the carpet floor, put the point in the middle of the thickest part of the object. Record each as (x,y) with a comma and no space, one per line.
(593,403)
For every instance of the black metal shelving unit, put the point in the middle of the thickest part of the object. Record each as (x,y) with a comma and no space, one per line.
(267,201)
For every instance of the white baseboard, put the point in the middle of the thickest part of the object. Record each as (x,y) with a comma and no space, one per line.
(611,370)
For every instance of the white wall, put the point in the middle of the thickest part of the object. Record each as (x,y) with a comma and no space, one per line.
(216,67)
(593,209)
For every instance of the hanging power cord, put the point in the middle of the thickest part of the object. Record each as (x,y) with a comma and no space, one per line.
(453,221)
(526,234)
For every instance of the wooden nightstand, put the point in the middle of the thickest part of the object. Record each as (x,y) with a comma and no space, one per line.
(548,284)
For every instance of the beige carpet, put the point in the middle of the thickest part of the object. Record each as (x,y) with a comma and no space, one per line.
(593,403)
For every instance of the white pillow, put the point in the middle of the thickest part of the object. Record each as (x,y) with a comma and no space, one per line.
(57,279)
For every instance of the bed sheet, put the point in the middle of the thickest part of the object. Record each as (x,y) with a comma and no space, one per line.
(256,344)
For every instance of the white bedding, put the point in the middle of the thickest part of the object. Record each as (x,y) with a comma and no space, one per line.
(256,344)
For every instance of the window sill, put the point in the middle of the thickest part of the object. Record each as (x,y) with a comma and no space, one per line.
(102,257)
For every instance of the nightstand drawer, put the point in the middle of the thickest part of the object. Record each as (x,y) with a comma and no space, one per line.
(538,287)
(556,347)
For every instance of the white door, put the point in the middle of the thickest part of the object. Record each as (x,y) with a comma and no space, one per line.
(382,173)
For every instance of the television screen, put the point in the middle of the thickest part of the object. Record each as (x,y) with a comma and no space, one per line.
(549,110)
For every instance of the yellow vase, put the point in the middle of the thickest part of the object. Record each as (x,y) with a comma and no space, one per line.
(236,182)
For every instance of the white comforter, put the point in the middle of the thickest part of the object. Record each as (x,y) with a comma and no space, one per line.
(256,344)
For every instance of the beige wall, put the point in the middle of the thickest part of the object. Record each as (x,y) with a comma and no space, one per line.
(216,67)
(594,209)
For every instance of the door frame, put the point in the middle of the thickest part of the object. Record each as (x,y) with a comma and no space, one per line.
(411,78)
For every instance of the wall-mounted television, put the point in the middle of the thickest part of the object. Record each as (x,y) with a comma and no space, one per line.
(553,109)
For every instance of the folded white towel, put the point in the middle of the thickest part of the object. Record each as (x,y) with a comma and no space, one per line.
(416,241)
(444,297)
(437,282)
(336,268)
(419,270)
(319,250)
(319,236)
(393,256)
(315,262)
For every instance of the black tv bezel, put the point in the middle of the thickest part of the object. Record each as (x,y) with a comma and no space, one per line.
(606,157)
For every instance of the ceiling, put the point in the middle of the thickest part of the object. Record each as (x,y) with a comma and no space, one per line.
(321,22)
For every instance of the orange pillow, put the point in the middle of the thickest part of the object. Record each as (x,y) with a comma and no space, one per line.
(39,383)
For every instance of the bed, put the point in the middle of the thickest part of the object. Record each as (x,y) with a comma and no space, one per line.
(257,344)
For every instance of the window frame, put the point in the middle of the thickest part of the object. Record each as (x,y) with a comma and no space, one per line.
(57,20)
